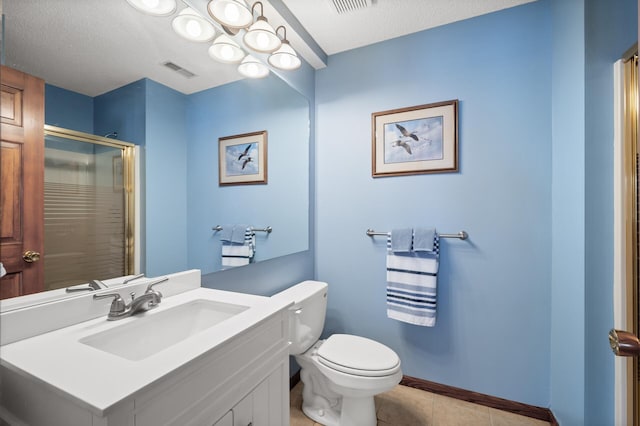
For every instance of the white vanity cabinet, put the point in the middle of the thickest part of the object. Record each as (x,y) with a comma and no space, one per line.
(256,409)
(241,380)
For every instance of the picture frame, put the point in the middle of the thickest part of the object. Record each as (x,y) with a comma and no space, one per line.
(415,140)
(242,159)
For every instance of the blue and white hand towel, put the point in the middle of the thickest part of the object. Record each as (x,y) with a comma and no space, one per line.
(239,253)
(412,283)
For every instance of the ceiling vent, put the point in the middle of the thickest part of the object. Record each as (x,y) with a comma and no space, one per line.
(345,6)
(179,69)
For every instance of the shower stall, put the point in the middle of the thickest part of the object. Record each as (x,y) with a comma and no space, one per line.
(88,207)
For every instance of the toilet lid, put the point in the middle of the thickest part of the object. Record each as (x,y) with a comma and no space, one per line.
(358,355)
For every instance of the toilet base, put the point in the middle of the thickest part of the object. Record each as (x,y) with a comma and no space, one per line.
(358,412)
(331,403)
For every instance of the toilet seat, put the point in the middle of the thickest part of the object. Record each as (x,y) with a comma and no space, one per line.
(358,356)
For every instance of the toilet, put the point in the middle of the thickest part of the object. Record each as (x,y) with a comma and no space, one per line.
(342,373)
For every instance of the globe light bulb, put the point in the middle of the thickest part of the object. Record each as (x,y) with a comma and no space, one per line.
(151,4)
(193,28)
(252,69)
(262,40)
(226,52)
(286,61)
(231,12)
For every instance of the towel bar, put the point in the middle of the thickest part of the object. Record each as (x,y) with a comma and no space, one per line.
(461,235)
(268,229)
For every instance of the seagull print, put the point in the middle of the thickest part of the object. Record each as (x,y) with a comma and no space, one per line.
(406,133)
(246,161)
(405,145)
(244,154)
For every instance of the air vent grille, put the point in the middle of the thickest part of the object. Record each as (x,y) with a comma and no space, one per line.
(179,69)
(344,6)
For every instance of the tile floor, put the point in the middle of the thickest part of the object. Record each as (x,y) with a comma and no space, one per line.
(405,406)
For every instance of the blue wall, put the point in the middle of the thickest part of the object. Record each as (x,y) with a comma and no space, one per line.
(492,334)
(165,180)
(67,109)
(122,110)
(567,284)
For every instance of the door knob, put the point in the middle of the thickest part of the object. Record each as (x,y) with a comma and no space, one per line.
(30,256)
(624,343)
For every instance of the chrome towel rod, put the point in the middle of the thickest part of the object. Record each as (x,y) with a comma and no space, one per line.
(268,229)
(461,235)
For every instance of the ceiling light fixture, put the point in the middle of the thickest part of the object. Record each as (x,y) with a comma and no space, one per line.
(252,68)
(190,25)
(154,7)
(224,49)
(261,36)
(233,16)
(230,13)
(285,58)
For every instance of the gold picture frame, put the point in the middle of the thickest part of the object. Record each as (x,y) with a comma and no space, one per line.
(415,140)
(242,159)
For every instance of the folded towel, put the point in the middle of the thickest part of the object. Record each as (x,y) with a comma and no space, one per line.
(412,284)
(401,240)
(238,233)
(423,239)
(239,254)
(226,233)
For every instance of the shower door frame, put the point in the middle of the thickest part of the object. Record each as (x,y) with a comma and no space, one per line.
(128,170)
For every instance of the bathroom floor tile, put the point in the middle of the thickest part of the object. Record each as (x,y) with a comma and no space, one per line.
(504,418)
(454,412)
(406,406)
(403,405)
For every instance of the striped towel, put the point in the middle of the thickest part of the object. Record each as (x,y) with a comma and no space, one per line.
(234,254)
(411,285)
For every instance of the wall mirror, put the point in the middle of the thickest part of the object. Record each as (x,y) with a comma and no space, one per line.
(87,48)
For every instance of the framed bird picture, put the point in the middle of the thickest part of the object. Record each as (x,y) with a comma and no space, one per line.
(415,140)
(242,159)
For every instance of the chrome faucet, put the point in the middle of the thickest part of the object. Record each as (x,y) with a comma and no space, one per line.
(99,285)
(148,300)
(92,286)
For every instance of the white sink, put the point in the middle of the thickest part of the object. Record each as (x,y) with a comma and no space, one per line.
(144,336)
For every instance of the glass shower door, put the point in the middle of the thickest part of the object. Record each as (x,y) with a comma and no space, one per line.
(86,210)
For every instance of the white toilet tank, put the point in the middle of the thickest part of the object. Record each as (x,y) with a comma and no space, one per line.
(306,316)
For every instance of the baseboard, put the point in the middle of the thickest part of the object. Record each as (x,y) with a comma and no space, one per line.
(481,399)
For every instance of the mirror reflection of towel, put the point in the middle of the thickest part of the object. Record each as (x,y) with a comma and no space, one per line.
(401,240)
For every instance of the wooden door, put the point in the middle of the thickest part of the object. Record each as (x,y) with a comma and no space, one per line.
(22,175)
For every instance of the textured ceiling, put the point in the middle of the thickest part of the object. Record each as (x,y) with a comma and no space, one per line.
(383,19)
(94,46)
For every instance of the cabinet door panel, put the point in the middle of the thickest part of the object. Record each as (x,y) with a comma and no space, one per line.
(227,420)
(261,404)
(243,412)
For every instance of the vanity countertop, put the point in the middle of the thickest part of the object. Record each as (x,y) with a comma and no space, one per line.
(99,380)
